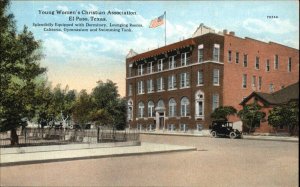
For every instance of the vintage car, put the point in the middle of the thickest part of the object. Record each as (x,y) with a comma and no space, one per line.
(224,128)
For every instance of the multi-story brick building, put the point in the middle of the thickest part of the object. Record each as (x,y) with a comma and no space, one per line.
(179,85)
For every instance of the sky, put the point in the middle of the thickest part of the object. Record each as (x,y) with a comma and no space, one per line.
(80,59)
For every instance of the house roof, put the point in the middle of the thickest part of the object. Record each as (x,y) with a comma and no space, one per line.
(282,96)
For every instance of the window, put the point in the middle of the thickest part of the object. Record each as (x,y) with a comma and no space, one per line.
(199,104)
(183,127)
(199,127)
(141,110)
(160,84)
(253,81)
(171,82)
(129,110)
(271,88)
(215,103)
(244,81)
(140,87)
(200,53)
(130,90)
(257,62)
(216,52)
(171,127)
(150,67)
(216,77)
(172,63)
(151,112)
(160,65)
(130,70)
(268,65)
(200,77)
(140,69)
(237,54)
(185,107)
(184,80)
(140,127)
(276,62)
(229,56)
(150,86)
(184,59)
(172,107)
(259,82)
(290,64)
(245,60)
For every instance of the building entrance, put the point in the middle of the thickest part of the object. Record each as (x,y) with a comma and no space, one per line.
(161,120)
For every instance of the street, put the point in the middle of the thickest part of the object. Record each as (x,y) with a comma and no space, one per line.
(217,162)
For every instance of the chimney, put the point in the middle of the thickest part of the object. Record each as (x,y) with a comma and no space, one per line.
(232,33)
(225,31)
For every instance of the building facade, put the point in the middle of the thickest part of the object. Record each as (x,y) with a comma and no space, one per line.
(177,87)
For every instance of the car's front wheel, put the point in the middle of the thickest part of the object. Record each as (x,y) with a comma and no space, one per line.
(232,135)
(214,134)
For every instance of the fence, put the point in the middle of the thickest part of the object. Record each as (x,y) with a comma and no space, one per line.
(38,136)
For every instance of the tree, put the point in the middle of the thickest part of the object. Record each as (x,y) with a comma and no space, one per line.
(251,115)
(82,108)
(19,69)
(285,115)
(223,112)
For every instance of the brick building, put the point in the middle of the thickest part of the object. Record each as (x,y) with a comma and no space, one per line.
(176,87)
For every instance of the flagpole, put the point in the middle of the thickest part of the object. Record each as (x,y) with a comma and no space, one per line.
(165,28)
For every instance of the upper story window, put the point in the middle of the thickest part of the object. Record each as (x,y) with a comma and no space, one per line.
(140,87)
(271,88)
(245,60)
(150,86)
(130,90)
(268,65)
(276,62)
(160,84)
(216,77)
(160,65)
(200,53)
(185,106)
(215,103)
(184,59)
(172,62)
(253,81)
(151,112)
(172,107)
(257,62)
(216,52)
(184,80)
(229,56)
(259,82)
(237,56)
(130,70)
(140,69)
(150,67)
(200,77)
(244,81)
(171,82)
(290,64)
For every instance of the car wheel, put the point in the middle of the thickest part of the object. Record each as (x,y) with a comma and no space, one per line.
(214,134)
(232,135)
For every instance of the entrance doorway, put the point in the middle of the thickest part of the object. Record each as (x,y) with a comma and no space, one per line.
(161,120)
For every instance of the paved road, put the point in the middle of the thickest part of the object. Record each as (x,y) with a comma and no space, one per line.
(218,162)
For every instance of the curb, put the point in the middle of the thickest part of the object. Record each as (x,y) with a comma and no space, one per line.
(92,157)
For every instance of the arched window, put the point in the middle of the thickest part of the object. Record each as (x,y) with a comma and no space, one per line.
(199,104)
(141,109)
(160,103)
(185,106)
(129,109)
(151,109)
(172,107)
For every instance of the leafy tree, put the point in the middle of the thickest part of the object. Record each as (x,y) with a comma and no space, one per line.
(223,112)
(286,115)
(251,115)
(19,69)
(82,108)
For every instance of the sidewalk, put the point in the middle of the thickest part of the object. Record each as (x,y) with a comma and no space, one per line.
(64,155)
(247,137)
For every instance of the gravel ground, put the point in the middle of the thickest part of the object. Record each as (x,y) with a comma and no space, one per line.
(217,162)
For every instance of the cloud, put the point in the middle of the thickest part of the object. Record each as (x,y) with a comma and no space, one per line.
(61,7)
(275,26)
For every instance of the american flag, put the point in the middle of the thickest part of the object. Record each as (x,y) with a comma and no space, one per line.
(157,21)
